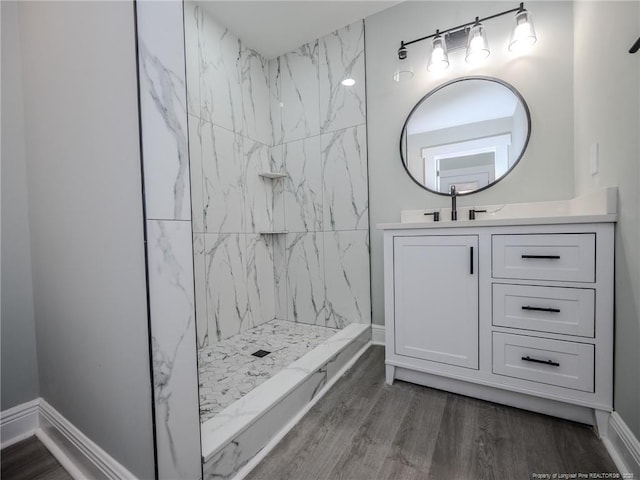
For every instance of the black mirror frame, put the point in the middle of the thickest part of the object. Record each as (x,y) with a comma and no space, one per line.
(451,82)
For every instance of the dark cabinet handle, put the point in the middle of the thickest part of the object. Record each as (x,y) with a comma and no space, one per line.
(471,260)
(541,309)
(545,257)
(472,213)
(544,362)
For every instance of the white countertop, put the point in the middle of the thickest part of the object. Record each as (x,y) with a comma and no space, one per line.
(595,207)
(493,222)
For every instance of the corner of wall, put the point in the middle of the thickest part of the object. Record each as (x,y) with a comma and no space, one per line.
(606,130)
(18,319)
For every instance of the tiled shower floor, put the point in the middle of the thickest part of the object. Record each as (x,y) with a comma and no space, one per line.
(228,371)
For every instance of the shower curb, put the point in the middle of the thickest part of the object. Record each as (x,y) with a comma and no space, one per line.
(232,438)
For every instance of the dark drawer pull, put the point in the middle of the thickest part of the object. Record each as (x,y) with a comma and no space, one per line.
(541,309)
(545,362)
(543,257)
(471,260)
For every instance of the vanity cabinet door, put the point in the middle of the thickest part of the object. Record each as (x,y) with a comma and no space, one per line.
(436,298)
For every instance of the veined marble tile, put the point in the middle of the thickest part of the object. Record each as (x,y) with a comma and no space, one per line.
(276,164)
(254,76)
(341,57)
(226,463)
(275,100)
(345,183)
(220,75)
(228,370)
(226,280)
(163,110)
(200,279)
(346,266)
(299,92)
(193,18)
(241,430)
(259,190)
(195,168)
(223,168)
(305,278)
(361,335)
(280,276)
(260,278)
(173,348)
(303,186)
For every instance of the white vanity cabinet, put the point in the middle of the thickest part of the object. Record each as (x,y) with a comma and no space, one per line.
(432,274)
(521,315)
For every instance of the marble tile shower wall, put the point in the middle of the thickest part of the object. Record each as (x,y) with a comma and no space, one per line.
(289,115)
(229,141)
(319,136)
(161,69)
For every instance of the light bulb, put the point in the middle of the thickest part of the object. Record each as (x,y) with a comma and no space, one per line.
(477,45)
(438,53)
(348,82)
(439,59)
(523,35)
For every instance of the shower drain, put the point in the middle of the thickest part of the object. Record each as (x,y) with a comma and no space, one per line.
(261,353)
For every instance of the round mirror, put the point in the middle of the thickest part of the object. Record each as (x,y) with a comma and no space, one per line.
(468,133)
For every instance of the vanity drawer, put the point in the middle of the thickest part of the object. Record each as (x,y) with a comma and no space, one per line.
(568,311)
(552,362)
(556,257)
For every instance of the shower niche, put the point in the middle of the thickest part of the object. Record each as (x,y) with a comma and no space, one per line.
(279,197)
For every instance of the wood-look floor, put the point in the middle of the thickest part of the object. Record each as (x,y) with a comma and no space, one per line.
(365,429)
(30,460)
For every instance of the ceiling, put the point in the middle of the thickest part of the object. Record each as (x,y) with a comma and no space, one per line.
(275,27)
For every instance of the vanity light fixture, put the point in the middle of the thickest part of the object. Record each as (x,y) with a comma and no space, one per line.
(404,70)
(473,37)
(523,35)
(477,45)
(439,60)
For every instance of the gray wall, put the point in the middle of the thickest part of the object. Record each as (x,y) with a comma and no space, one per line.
(19,369)
(544,77)
(607,111)
(587,101)
(84,195)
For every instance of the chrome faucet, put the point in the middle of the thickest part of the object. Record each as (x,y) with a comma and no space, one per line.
(454,211)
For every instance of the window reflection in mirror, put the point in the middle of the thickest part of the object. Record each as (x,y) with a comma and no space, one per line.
(469,133)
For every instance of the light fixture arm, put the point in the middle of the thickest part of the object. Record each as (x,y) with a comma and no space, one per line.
(403,44)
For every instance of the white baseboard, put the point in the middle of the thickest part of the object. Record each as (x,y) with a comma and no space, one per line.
(61,456)
(623,446)
(82,458)
(77,454)
(19,422)
(377,334)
